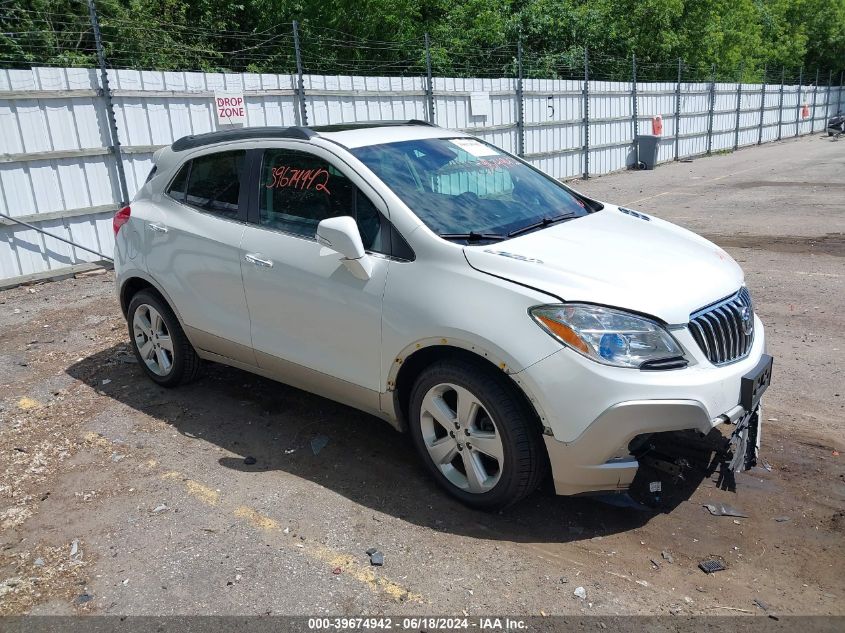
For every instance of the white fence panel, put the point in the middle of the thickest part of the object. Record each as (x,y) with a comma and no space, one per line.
(554,128)
(58,171)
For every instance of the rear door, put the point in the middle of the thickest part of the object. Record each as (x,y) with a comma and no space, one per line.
(308,311)
(195,254)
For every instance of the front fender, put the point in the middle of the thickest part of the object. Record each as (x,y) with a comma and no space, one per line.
(482,349)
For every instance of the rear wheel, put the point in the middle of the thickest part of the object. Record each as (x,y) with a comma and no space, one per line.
(476,434)
(159,342)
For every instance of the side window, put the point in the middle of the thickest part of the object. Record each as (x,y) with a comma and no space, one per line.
(177,187)
(213,183)
(299,190)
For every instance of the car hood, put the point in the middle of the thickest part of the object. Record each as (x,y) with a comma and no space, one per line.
(615,259)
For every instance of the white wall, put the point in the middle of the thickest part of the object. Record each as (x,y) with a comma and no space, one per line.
(57,170)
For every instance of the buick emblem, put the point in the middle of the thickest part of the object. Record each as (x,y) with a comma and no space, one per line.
(747,318)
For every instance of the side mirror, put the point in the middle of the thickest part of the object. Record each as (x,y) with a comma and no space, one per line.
(341,235)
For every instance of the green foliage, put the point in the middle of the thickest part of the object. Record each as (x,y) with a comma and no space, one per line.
(468,37)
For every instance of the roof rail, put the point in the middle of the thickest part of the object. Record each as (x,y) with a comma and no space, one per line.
(297,132)
(241,134)
(359,125)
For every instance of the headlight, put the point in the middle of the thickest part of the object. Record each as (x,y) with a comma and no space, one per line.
(608,336)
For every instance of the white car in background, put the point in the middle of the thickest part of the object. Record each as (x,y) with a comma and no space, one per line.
(509,323)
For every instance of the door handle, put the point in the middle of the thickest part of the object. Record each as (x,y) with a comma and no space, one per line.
(254,258)
(158,228)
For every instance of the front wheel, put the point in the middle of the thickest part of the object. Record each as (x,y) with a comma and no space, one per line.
(476,434)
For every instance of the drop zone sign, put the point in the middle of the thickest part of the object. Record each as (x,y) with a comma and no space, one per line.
(230,107)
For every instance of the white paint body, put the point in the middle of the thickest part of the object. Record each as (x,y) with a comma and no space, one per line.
(308,320)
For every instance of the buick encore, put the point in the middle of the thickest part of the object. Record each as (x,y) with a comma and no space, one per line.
(513,326)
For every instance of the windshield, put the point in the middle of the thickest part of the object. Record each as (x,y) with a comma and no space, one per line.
(465,189)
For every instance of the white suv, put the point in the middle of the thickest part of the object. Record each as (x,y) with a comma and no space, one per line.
(509,323)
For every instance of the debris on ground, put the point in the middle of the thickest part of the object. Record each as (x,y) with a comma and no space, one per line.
(782,519)
(580,592)
(376,557)
(39,562)
(82,599)
(667,556)
(711,565)
(724,510)
(763,605)
(318,443)
(249,460)
(160,508)
(74,548)
(731,609)
(655,564)
(336,571)
(619,500)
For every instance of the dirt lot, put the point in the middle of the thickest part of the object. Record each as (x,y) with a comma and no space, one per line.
(118,497)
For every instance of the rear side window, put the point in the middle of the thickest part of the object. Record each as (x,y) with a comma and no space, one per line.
(177,187)
(299,190)
(211,183)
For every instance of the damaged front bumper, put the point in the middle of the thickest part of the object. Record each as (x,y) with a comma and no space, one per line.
(583,466)
(590,464)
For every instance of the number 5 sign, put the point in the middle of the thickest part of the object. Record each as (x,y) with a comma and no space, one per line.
(230,107)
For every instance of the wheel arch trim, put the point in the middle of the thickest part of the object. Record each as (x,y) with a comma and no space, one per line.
(392,404)
(125,301)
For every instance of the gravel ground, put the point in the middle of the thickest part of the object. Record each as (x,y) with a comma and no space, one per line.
(118,497)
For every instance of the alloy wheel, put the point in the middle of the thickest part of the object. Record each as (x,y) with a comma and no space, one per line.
(461,438)
(152,339)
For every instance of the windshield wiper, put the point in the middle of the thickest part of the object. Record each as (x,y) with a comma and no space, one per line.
(472,236)
(542,224)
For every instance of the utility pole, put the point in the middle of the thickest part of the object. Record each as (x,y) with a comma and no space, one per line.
(763,92)
(107,98)
(678,109)
(635,124)
(827,99)
(780,101)
(800,108)
(710,111)
(520,107)
(300,84)
(586,120)
(429,82)
(738,105)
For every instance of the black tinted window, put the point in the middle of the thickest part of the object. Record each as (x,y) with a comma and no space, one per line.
(214,183)
(299,190)
(177,187)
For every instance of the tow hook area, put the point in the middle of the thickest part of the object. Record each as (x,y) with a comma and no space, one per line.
(673,464)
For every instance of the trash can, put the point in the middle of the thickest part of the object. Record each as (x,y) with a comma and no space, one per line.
(647,146)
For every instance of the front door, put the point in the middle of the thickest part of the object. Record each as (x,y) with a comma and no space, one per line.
(314,323)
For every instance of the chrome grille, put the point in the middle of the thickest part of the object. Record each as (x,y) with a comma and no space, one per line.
(725,330)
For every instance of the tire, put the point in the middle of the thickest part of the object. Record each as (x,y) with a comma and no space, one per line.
(457,390)
(151,320)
